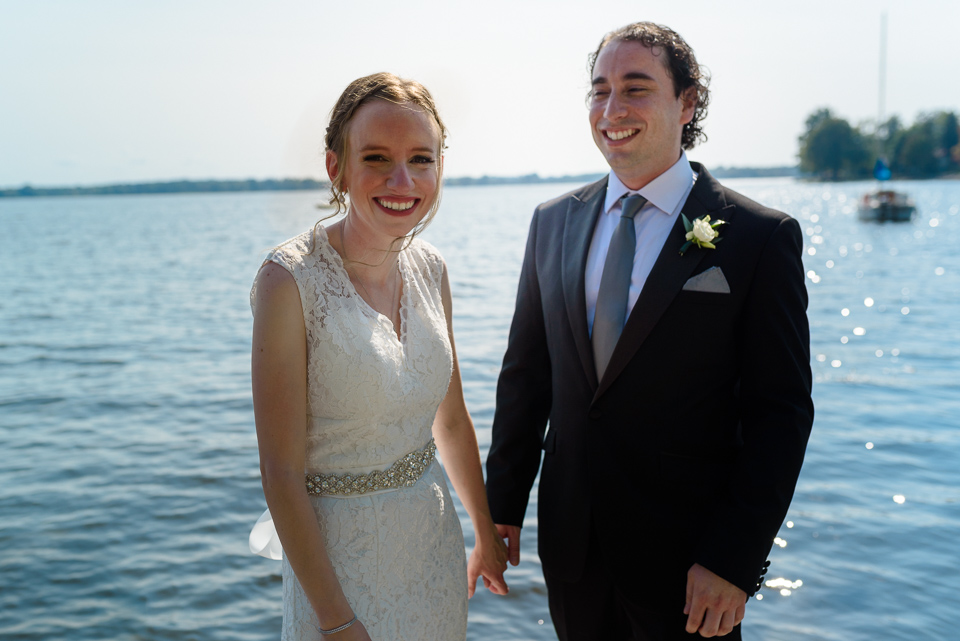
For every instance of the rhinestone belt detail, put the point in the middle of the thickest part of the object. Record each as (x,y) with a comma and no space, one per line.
(403,473)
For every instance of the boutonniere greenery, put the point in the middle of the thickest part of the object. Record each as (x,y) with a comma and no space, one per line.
(701,232)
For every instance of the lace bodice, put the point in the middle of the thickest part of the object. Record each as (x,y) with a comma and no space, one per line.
(371,397)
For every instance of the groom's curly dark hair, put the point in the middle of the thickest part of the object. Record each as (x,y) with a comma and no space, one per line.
(680,61)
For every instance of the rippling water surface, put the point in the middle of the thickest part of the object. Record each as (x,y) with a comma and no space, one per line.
(128,465)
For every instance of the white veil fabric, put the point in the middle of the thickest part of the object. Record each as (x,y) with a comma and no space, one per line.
(264,540)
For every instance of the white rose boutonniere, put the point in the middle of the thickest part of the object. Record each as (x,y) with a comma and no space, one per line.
(701,232)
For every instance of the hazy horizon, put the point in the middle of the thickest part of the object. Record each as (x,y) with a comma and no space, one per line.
(719,168)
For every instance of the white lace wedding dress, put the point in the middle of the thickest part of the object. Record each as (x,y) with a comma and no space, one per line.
(371,400)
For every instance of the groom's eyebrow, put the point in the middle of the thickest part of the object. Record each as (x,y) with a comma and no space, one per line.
(630,75)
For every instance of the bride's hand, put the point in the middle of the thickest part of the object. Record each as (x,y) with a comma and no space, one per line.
(488,560)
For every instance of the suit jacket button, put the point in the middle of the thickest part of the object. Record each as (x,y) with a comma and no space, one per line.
(595,413)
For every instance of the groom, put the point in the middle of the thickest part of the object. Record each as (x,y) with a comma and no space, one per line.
(672,368)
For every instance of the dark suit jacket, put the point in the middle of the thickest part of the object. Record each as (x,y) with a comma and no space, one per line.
(689,448)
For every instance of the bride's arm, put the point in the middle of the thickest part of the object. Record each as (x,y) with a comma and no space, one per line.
(457,443)
(279,372)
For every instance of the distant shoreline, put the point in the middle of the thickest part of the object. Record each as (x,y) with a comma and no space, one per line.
(309,184)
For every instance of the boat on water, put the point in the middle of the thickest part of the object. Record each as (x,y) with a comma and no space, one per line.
(886,205)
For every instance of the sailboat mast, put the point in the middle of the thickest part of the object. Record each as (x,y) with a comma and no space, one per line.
(883,67)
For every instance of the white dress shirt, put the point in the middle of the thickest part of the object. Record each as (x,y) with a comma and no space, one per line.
(665,196)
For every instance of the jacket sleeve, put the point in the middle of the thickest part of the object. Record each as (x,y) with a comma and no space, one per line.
(776,414)
(523,399)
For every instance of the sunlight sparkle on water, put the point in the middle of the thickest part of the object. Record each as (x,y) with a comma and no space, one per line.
(868,301)
(939,271)
(899,499)
(789,524)
(781,542)
(859,331)
(869,446)
(844,312)
(786,586)
(904,310)
(836,363)
(784,583)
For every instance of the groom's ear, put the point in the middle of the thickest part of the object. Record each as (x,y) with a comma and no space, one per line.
(688,98)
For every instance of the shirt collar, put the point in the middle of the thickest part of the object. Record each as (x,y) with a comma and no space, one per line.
(667,192)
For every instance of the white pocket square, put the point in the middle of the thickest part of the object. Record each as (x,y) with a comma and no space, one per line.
(711,281)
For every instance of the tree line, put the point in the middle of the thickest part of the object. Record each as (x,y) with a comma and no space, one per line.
(832,149)
(171,187)
(295,184)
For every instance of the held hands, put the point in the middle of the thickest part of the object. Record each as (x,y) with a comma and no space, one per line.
(488,560)
(714,605)
(512,534)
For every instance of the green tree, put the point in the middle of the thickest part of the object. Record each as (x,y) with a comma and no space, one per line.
(888,136)
(947,133)
(916,150)
(831,149)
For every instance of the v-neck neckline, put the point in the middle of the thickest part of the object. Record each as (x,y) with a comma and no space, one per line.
(400,334)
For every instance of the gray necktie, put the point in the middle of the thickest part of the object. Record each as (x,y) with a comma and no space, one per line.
(611,312)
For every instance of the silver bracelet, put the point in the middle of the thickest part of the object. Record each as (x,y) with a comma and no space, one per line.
(339,628)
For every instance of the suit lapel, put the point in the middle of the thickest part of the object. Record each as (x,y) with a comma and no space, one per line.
(668,275)
(577,233)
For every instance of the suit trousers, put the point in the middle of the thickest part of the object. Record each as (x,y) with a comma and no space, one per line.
(593,607)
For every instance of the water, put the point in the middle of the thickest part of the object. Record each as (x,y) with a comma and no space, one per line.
(128,466)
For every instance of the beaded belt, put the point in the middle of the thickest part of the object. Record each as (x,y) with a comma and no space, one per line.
(404,473)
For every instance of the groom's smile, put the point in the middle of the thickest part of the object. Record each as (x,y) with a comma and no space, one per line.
(619,135)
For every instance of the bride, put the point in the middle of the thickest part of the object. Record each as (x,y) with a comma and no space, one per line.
(356,387)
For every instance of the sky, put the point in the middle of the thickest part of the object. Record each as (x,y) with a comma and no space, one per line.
(107,91)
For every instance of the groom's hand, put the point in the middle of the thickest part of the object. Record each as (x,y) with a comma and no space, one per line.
(512,534)
(714,605)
